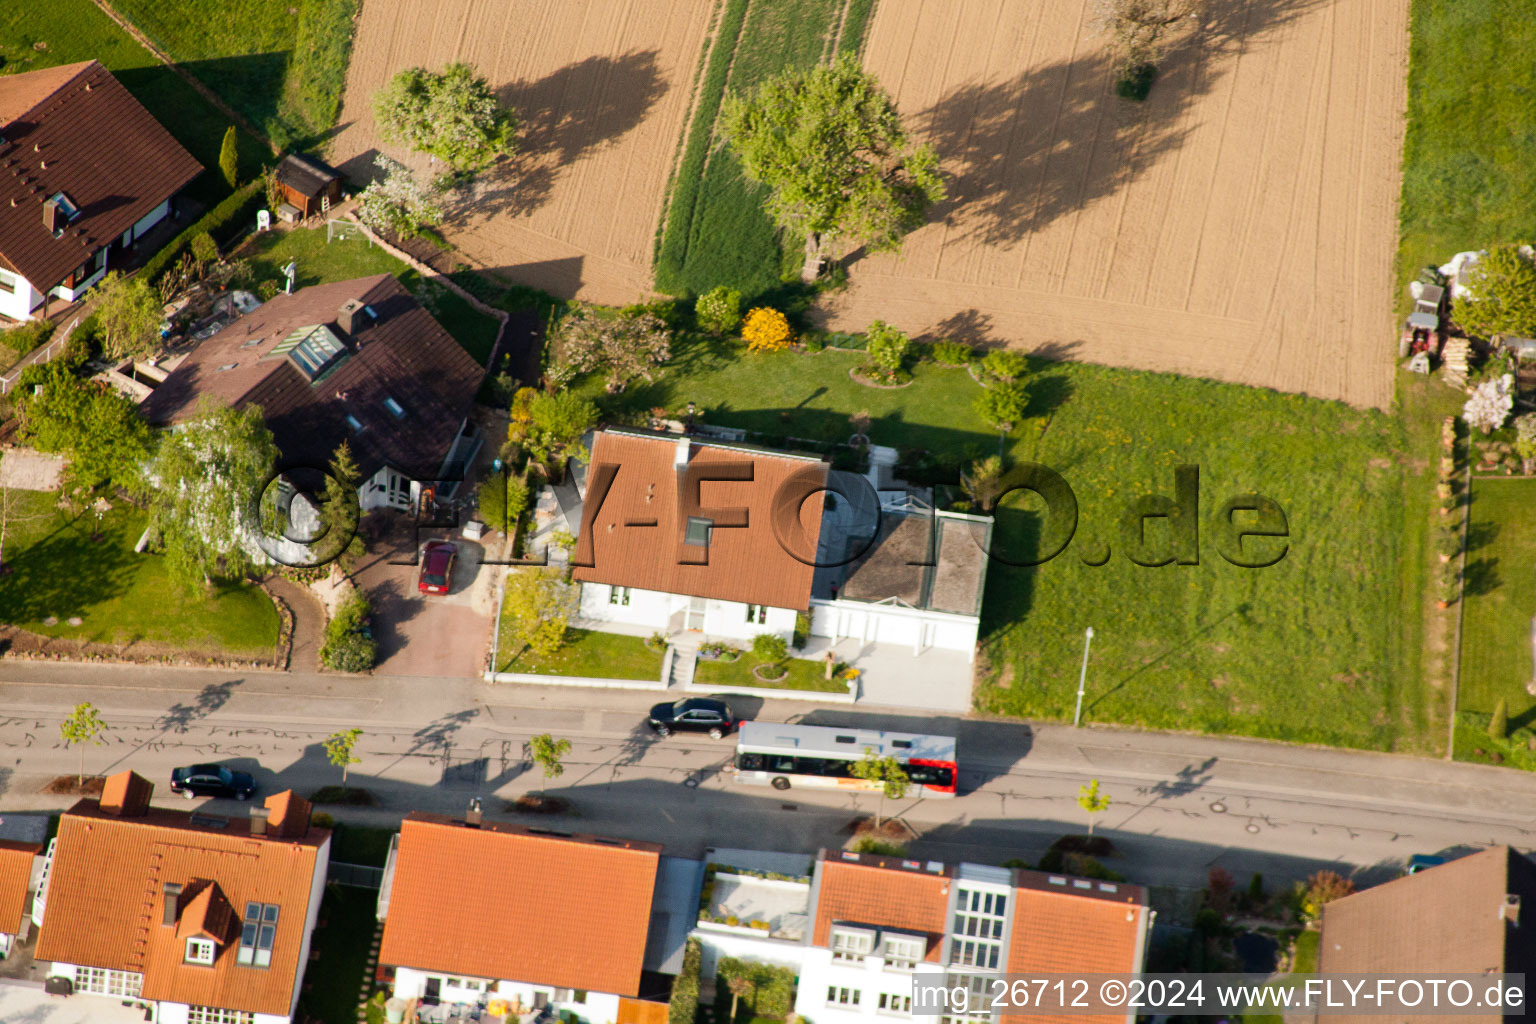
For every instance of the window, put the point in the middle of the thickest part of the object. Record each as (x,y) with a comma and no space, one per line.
(199,951)
(7,282)
(108,983)
(260,928)
(976,937)
(312,349)
(618,595)
(902,952)
(838,995)
(394,408)
(852,943)
(217,1015)
(891,1002)
(698,531)
(354,423)
(757,613)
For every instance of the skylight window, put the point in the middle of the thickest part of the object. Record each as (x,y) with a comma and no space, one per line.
(394,407)
(698,531)
(257,934)
(228,366)
(312,349)
(354,423)
(66,207)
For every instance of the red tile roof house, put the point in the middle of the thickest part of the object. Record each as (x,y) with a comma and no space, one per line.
(876,920)
(685,533)
(201,920)
(357,361)
(19,865)
(476,911)
(85,172)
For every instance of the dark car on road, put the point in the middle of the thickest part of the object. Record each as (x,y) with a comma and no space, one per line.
(437,560)
(695,714)
(211,780)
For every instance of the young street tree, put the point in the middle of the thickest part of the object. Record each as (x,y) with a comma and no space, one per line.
(549,754)
(1092,801)
(129,312)
(887,773)
(629,346)
(204,484)
(84,725)
(397,202)
(1503,295)
(97,427)
(339,748)
(830,144)
(452,115)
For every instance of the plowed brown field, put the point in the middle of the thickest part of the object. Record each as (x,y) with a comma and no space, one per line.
(1240,224)
(602,87)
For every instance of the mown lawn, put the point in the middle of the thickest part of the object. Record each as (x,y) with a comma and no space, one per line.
(1500,596)
(804,674)
(1321,647)
(586,653)
(121,597)
(283,70)
(321,262)
(716,230)
(334,978)
(1471,134)
(37,34)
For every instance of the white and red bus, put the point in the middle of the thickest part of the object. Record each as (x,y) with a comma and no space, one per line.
(770,753)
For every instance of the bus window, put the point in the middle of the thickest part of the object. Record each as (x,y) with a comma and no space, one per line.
(750,762)
(930,775)
(782,764)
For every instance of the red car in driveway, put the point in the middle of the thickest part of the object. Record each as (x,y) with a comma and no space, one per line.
(437,560)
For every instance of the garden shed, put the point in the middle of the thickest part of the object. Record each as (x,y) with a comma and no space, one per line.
(307,184)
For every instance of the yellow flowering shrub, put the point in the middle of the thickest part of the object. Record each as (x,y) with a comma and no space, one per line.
(766,330)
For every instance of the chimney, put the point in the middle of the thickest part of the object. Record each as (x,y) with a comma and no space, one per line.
(288,814)
(681,458)
(473,815)
(51,218)
(350,316)
(1510,911)
(126,795)
(171,903)
(259,821)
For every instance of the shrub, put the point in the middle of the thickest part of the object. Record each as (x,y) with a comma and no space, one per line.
(767,330)
(952,353)
(229,158)
(1003,405)
(28,336)
(813,341)
(1321,889)
(879,847)
(1135,83)
(1004,364)
(320,819)
(502,500)
(684,1005)
(224,222)
(887,346)
(769,647)
(718,310)
(349,645)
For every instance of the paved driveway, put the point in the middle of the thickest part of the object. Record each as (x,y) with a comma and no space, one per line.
(426,634)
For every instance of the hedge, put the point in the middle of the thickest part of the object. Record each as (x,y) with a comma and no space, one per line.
(685,990)
(224,222)
(773,988)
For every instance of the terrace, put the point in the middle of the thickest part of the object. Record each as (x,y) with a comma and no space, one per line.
(744,901)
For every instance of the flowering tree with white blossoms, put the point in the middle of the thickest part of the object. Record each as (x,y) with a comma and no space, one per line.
(397,202)
(1490,404)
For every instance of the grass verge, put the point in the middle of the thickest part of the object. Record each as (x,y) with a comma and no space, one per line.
(60,572)
(1469,140)
(590,653)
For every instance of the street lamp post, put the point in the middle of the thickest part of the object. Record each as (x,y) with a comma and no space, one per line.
(1082,679)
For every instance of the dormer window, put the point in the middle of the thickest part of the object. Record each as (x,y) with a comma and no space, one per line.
(850,943)
(902,951)
(200,951)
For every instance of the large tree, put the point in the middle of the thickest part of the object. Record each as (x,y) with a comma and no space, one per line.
(129,312)
(555,425)
(831,146)
(625,347)
(97,428)
(1138,29)
(452,115)
(1502,300)
(207,478)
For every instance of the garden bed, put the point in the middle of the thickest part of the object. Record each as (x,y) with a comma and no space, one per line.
(347,796)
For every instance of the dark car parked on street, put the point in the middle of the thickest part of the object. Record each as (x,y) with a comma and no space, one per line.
(695,714)
(212,780)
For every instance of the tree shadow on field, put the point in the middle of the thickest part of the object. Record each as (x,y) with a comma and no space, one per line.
(1023,152)
(562,116)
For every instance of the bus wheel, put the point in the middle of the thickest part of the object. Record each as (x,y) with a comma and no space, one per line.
(780,782)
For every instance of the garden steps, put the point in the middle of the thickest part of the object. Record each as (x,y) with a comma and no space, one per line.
(685,657)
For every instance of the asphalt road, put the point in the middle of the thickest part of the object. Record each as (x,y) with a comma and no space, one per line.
(1181,804)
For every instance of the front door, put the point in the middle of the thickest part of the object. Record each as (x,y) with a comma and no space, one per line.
(696,608)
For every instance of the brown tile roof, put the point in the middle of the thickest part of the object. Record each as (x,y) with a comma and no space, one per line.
(206,915)
(101,148)
(882,892)
(305,173)
(1069,929)
(633,535)
(1448,920)
(126,794)
(105,901)
(15,876)
(405,355)
(519,904)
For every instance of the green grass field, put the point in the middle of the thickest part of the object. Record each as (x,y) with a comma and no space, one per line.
(716,230)
(1322,647)
(1471,134)
(285,71)
(58,571)
(37,34)
(321,262)
(587,653)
